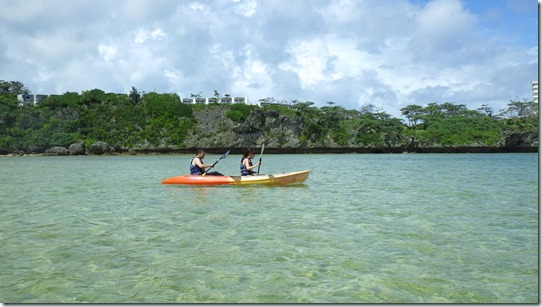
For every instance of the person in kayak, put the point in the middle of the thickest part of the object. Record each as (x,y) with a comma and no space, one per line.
(198,168)
(246,163)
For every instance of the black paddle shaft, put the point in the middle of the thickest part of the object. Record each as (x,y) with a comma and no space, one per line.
(223,156)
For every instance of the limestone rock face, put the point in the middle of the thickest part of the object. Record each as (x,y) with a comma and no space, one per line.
(521,139)
(6,150)
(214,129)
(56,151)
(99,148)
(33,148)
(77,149)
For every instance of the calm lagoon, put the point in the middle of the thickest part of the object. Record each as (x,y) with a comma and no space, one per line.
(364,228)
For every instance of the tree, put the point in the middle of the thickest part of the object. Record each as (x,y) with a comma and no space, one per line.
(521,109)
(487,110)
(413,113)
(369,109)
(58,102)
(152,120)
(94,96)
(521,116)
(13,87)
(377,128)
(134,95)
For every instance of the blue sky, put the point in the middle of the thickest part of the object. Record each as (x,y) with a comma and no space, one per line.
(389,53)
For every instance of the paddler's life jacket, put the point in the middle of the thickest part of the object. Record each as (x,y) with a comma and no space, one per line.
(244,170)
(194,169)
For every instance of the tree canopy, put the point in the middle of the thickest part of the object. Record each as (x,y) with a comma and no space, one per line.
(153,120)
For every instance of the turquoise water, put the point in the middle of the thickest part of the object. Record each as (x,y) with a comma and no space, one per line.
(405,228)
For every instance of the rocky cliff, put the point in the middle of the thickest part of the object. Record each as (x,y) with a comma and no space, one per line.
(214,129)
(290,131)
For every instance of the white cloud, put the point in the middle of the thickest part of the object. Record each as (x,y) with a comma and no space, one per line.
(197,6)
(252,77)
(107,52)
(442,25)
(327,59)
(246,8)
(141,36)
(157,34)
(171,75)
(388,53)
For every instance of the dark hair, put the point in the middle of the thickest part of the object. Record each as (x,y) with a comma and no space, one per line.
(200,150)
(248,152)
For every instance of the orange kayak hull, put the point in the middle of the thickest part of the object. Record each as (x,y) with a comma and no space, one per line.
(275,179)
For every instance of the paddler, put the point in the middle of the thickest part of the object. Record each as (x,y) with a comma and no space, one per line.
(246,163)
(198,168)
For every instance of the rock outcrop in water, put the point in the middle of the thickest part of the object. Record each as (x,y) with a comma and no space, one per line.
(56,151)
(76,149)
(100,148)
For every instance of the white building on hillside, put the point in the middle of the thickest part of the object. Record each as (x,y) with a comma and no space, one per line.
(534,85)
(223,100)
(240,100)
(226,100)
(39,98)
(27,99)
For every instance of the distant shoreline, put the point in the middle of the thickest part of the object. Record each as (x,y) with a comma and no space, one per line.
(358,150)
(354,150)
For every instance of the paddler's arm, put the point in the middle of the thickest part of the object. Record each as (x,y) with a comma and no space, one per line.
(197,161)
(247,165)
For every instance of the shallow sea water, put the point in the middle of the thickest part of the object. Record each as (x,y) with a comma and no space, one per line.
(403,228)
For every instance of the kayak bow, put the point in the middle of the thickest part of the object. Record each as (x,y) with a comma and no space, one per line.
(276,179)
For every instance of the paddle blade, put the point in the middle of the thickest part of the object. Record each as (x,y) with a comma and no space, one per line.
(225,155)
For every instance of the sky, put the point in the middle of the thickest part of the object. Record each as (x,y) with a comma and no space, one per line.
(388,53)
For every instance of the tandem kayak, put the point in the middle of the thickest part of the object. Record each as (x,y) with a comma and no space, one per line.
(276,179)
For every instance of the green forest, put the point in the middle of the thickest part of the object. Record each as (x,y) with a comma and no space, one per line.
(160,121)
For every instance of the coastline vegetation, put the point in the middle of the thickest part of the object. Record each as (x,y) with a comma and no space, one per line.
(153,120)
